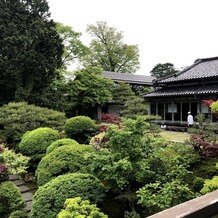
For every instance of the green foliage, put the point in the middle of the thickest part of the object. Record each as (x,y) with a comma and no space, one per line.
(163,70)
(99,141)
(108,51)
(122,92)
(80,128)
(10,199)
(18,214)
(198,184)
(18,118)
(214,106)
(65,159)
(134,107)
(88,89)
(49,199)
(35,143)
(156,197)
(73,47)
(31,49)
(59,143)
(206,168)
(78,208)
(210,185)
(16,162)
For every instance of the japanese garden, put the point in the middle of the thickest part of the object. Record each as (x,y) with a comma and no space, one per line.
(93,142)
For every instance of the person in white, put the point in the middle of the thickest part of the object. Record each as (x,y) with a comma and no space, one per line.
(190,119)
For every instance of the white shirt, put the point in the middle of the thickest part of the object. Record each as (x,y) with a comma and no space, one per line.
(190,120)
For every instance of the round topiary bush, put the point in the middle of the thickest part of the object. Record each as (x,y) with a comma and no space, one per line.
(35,143)
(10,199)
(59,143)
(77,207)
(49,199)
(80,128)
(65,159)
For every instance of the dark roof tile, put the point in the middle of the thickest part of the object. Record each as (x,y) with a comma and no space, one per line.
(202,68)
(129,78)
(181,91)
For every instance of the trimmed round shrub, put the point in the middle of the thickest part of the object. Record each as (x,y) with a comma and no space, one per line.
(65,159)
(77,207)
(35,143)
(10,199)
(20,117)
(49,199)
(59,143)
(80,128)
(18,214)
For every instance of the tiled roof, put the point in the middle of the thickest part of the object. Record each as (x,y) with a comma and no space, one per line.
(184,91)
(202,68)
(129,78)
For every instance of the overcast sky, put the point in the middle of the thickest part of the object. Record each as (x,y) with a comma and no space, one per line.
(176,31)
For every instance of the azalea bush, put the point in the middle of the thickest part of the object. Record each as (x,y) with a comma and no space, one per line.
(65,159)
(59,143)
(35,143)
(80,128)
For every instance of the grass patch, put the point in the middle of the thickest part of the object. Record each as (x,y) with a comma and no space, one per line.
(175,136)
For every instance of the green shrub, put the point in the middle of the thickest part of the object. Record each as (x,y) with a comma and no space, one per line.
(10,199)
(18,214)
(80,128)
(65,159)
(35,143)
(18,118)
(49,199)
(210,185)
(16,162)
(59,143)
(198,184)
(76,207)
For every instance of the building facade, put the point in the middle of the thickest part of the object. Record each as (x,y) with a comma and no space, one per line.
(174,96)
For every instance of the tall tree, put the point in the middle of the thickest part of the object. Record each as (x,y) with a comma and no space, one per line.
(163,70)
(73,46)
(31,49)
(108,50)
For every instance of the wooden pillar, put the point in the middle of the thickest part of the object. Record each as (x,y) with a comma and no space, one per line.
(181,112)
(172,112)
(149,108)
(156,109)
(164,111)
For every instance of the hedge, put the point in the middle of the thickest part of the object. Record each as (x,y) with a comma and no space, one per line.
(18,118)
(49,199)
(80,128)
(35,143)
(65,159)
(59,143)
(10,199)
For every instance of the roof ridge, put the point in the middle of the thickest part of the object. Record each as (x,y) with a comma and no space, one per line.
(206,59)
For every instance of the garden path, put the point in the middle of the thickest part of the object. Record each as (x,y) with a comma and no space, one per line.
(25,191)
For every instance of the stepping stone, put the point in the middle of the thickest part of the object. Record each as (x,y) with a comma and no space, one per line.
(27,196)
(14,177)
(18,182)
(28,206)
(23,188)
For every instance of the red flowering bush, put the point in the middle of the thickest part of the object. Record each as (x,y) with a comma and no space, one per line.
(207,102)
(207,149)
(110,118)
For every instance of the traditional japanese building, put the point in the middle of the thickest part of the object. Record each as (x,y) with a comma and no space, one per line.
(174,96)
